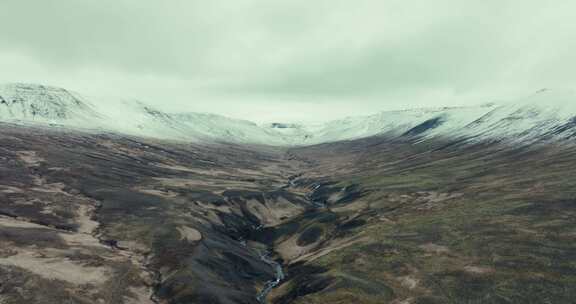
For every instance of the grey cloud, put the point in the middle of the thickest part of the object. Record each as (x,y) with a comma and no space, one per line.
(388,50)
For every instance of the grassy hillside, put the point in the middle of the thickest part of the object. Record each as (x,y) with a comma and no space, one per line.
(438,223)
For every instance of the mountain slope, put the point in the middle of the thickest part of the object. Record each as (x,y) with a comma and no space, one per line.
(37,104)
(546,114)
(42,104)
(137,118)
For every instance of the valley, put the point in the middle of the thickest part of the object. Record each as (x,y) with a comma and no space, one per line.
(109,218)
(287,152)
(159,222)
(424,206)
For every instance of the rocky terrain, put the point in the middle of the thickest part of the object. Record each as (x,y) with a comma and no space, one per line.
(108,219)
(115,219)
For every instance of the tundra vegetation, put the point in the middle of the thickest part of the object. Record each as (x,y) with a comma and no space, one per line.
(104,218)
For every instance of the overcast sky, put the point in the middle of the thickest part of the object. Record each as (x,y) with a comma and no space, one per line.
(291,59)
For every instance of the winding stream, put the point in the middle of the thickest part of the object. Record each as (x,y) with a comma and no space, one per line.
(265,256)
(279,276)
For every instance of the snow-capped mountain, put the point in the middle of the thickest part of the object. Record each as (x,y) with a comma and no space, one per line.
(42,104)
(415,122)
(137,118)
(37,104)
(544,115)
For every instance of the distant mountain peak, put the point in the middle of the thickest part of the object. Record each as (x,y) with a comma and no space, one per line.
(39,102)
(283,125)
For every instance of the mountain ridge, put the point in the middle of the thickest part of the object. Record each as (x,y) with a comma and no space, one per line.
(526,120)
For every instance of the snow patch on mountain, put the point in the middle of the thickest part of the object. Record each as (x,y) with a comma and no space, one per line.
(137,118)
(36,103)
